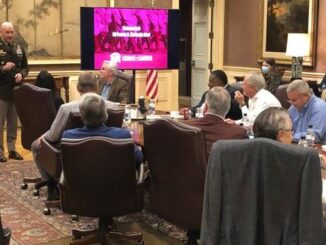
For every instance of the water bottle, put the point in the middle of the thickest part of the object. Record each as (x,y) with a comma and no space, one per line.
(151,107)
(310,136)
(127,115)
(303,142)
(247,125)
(245,120)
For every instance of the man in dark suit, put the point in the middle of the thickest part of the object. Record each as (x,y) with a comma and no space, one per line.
(217,104)
(219,78)
(110,86)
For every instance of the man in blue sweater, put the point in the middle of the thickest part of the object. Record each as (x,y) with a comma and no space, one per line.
(94,114)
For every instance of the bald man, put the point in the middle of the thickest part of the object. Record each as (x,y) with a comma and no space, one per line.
(13,68)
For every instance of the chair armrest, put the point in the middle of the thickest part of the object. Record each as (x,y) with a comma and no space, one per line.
(50,158)
(140,174)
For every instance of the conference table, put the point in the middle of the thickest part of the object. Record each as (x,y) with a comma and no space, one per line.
(136,128)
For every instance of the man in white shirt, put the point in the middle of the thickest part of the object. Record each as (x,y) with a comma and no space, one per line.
(259,98)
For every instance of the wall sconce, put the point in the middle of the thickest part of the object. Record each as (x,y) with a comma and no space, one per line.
(297,47)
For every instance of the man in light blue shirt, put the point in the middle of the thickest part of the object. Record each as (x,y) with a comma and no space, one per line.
(306,109)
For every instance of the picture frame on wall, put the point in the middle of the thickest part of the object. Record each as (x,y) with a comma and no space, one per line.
(282,17)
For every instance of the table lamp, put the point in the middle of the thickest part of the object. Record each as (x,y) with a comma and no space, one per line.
(297,47)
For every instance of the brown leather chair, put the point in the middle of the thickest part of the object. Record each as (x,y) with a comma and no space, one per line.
(115,119)
(282,96)
(98,180)
(130,79)
(36,111)
(50,155)
(176,156)
(314,87)
(239,86)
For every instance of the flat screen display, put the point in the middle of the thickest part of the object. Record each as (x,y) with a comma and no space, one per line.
(135,38)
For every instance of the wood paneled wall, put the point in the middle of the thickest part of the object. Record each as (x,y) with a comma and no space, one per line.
(242,35)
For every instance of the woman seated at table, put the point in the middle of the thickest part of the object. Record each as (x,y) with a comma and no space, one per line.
(272,75)
(45,80)
(274,123)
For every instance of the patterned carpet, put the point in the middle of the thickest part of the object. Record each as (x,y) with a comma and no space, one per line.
(23,212)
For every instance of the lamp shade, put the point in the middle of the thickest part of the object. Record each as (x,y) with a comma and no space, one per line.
(298,45)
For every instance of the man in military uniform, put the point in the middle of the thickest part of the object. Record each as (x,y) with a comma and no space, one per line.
(13,68)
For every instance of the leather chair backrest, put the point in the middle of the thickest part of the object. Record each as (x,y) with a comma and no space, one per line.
(176,156)
(238,86)
(282,96)
(36,111)
(99,177)
(115,119)
(314,87)
(130,79)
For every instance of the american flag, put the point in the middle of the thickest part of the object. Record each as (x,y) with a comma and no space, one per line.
(152,84)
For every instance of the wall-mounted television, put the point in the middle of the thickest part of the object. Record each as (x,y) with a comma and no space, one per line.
(135,38)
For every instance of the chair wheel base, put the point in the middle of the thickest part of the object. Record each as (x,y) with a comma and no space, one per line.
(74,217)
(36,193)
(24,186)
(46,211)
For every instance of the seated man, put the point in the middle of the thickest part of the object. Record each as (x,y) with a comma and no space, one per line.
(274,123)
(219,78)
(306,109)
(259,98)
(86,83)
(217,104)
(94,114)
(110,86)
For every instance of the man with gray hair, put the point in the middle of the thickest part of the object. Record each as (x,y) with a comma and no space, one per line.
(306,109)
(217,105)
(94,114)
(86,83)
(259,98)
(110,86)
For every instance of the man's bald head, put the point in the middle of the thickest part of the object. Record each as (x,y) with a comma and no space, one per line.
(7,31)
